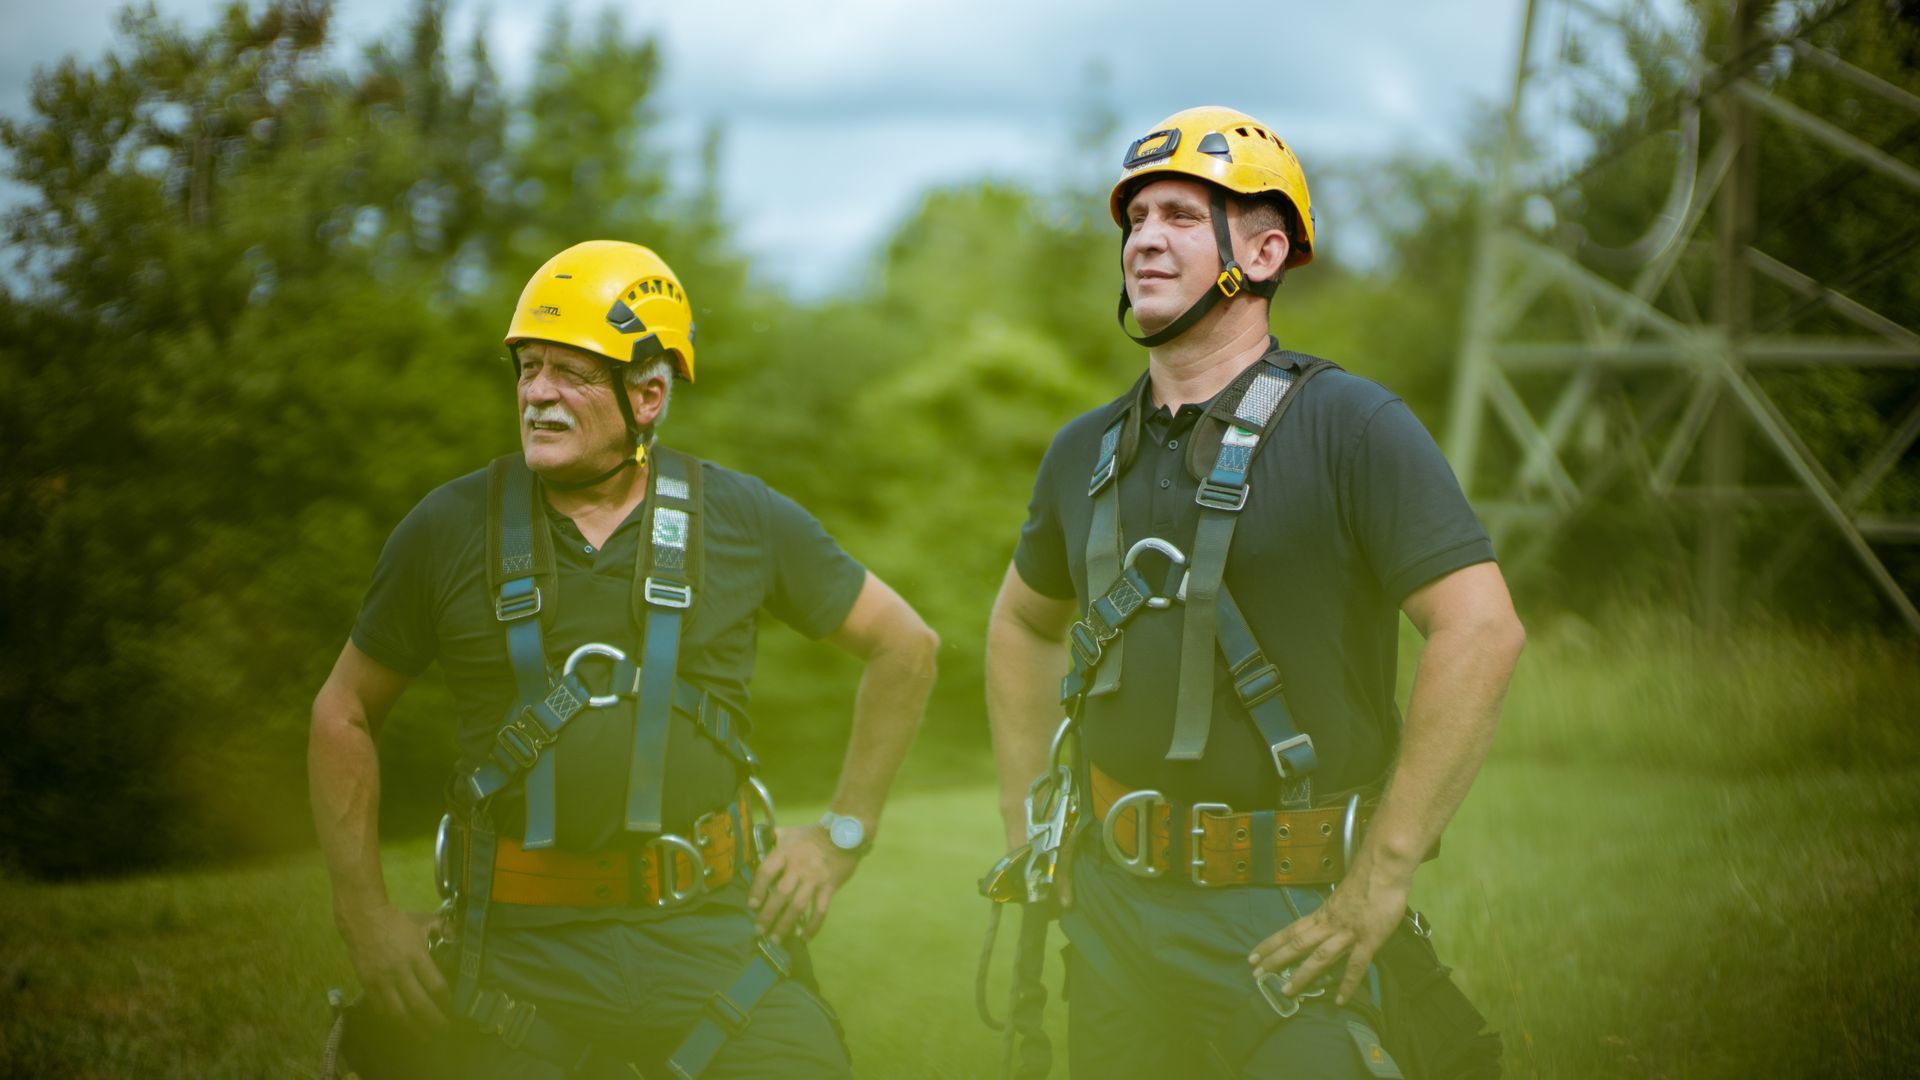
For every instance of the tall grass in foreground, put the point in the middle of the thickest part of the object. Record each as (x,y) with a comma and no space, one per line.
(1688,857)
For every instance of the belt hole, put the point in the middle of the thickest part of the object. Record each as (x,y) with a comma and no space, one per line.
(1326,828)
(1326,862)
(601,892)
(603,864)
(1239,836)
(1239,866)
(1286,866)
(1283,832)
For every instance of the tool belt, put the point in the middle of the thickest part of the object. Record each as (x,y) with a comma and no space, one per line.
(664,871)
(1205,843)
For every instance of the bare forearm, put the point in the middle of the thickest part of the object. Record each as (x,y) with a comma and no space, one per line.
(1451,716)
(1023,709)
(343,775)
(887,710)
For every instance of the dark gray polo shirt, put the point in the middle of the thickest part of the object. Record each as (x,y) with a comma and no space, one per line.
(1351,508)
(430,602)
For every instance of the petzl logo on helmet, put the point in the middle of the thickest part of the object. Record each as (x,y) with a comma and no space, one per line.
(546,312)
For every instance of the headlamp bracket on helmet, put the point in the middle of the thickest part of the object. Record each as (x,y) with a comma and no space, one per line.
(1145,150)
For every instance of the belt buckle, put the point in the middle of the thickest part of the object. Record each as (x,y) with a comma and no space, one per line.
(1141,862)
(1196,834)
(671,894)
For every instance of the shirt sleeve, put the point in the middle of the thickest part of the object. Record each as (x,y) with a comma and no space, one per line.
(1407,512)
(1041,555)
(396,621)
(815,581)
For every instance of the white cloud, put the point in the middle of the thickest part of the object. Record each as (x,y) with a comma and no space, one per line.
(837,116)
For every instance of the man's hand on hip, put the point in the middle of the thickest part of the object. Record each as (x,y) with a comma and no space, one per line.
(1355,921)
(794,886)
(389,952)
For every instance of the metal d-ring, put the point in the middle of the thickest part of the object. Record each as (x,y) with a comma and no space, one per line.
(605,652)
(1174,556)
(1348,826)
(442,858)
(1141,861)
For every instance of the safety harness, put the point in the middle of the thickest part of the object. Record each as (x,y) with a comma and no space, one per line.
(520,568)
(1247,412)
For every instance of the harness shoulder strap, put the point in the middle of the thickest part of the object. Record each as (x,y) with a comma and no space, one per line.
(519,558)
(1256,413)
(662,595)
(1118,444)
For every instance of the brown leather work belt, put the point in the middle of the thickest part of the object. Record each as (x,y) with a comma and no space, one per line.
(1213,844)
(666,871)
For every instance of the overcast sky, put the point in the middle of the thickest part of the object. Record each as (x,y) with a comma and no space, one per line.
(837,116)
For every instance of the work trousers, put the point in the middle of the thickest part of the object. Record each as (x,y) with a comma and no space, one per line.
(1157,971)
(635,989)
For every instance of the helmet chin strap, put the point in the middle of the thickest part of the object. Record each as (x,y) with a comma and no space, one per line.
(1231,282)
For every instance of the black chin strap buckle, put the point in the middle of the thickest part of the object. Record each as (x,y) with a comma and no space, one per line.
(1231,281)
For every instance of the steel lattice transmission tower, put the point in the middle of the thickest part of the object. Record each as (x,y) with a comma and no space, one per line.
(1587,371)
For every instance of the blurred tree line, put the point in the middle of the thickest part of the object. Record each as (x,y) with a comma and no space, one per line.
(257,316)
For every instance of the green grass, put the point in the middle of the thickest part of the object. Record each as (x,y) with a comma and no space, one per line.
(1666,870)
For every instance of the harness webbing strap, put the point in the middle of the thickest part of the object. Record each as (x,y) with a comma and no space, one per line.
(1103,535)
(519,557)
(729,1011)
(1257,407)
(1256,682)
(666,592)
(476,891)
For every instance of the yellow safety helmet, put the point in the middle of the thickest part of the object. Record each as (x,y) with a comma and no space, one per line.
(1230,152)
(608,297)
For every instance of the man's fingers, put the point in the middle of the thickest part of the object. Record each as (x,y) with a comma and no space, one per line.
(1356,970)
(820,901)
(1282,948)
(799,908)
(1320,960)
(764,878)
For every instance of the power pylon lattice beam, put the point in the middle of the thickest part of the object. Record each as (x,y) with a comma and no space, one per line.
(1584,368)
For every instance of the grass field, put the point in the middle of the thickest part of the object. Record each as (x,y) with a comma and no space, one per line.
(1686,859)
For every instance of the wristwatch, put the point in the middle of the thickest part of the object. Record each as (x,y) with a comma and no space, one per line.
(846,833)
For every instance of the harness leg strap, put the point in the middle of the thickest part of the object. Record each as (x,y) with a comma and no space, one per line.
(729,1011)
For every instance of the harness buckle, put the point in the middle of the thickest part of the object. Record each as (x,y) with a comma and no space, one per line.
(508,609)
(494,1013)
(523,739)
(671,894)
(1196,834)
(1108,466)
(667,594)
(1279,752)
(1284,1004)
(1140,863)
(1228,497)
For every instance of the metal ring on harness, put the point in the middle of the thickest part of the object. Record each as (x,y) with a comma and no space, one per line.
(761,832)
(1347,829)
(1141,861)
(442,859)
(606,652)
(671,894)
(1174,556)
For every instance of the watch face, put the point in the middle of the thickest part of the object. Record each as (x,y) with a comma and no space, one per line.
(847,833)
